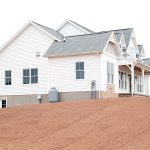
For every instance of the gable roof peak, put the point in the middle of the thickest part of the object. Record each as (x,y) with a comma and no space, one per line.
(75,24)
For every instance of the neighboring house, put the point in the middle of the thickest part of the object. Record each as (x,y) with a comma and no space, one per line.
(80,63)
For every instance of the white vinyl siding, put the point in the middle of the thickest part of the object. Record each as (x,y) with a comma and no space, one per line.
(63,74)
(21,54)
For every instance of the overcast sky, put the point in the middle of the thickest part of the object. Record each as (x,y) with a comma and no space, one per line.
(97,15)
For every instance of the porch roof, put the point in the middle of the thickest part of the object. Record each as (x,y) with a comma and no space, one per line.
(138,65)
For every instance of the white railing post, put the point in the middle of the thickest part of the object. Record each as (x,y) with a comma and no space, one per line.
(143,80)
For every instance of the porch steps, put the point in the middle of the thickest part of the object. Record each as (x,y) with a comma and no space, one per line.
(130,95)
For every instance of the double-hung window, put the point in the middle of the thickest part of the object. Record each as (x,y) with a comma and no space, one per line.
(26,76)
(8,77)
(79,70)
(110,73)
(122,80)
(34,75)
(30,76)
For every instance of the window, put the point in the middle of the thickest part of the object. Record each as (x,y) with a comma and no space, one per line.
(34,76)
(122,80)
(8,77)
(139,80)
(26,76)
(30,76)
(80,70)
(110,72)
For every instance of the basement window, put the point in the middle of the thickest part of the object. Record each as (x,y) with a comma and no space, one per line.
(8,77)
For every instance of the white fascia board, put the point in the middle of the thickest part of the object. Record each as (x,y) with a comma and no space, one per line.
(44,31)
(74,54)
(61,25)
(78,26)
(20,31)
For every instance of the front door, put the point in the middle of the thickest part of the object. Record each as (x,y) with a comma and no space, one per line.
(3,103)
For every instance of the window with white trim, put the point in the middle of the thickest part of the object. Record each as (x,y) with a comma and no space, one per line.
(30,76)
(122,80)
(26,76)
(8,77)
(139,83)
(34,75)
(79,70)
(110,73)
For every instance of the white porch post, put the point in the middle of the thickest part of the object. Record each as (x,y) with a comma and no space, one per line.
(132,79)
(143,80)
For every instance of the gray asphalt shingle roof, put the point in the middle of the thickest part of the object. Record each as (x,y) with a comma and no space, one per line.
(79,44)
(118,36)
(50,31)
(147,61)
(127,34)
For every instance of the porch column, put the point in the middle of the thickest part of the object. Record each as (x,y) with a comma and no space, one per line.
(132,79)
(143,70)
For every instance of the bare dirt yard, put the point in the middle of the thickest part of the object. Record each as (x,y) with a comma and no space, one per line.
(110,124)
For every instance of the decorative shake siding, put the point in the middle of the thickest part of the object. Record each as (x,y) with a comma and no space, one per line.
(110,48)
(63,73)
(19,55)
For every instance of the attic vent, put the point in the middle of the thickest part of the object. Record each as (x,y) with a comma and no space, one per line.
(37,53)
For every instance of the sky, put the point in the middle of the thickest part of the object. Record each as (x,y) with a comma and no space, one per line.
(97,15)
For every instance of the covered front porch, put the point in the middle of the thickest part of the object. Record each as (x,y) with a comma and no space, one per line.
(133,78)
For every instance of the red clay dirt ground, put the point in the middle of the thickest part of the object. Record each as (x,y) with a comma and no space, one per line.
(110,124)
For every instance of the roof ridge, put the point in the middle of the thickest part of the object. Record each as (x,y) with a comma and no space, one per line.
(88,34)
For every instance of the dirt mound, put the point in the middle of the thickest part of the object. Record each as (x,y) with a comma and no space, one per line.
(111,124)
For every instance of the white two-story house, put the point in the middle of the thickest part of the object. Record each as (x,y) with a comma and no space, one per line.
(80,63)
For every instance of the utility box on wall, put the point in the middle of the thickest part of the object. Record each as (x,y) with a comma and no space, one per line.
(53,95)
